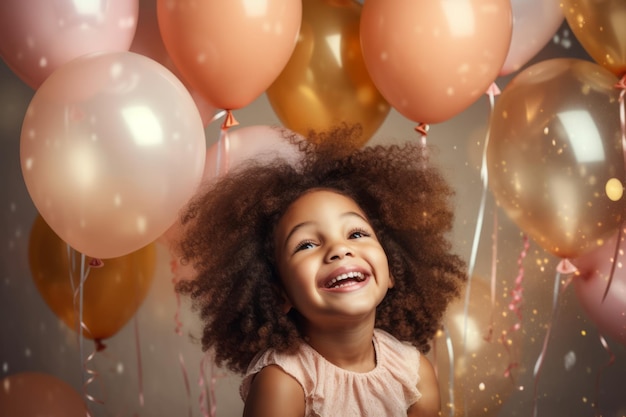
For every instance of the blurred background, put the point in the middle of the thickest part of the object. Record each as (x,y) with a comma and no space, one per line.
(535,353)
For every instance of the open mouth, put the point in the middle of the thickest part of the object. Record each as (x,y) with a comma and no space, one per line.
(343,280)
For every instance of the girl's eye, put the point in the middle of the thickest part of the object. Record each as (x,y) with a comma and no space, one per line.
(307,244)
(359,233)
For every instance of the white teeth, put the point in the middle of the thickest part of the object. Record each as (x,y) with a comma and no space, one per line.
(354,275)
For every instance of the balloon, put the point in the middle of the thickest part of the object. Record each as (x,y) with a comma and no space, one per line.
(148,42)
(38,36)
(112,293)
(433,59)
(30,394)
(112,146)
(480,385)
(251,143)
(230,50)
(594,269)
(325,82)
(599,26)
(534,23)
(554,155)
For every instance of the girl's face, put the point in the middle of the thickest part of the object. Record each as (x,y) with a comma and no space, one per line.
(330,262)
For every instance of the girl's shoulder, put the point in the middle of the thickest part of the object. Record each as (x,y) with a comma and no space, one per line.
(272,392)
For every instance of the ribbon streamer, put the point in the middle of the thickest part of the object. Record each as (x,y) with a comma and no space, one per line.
(88,375)
(207,389)
(563,266)
(606,347)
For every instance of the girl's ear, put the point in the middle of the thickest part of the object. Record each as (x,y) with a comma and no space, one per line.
(392,281)
(286,302)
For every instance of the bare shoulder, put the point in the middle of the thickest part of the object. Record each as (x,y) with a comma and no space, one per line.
(430,403)
(274,393)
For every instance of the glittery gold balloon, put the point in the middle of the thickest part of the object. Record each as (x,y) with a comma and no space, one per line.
(600,27)
(112,293)
(325,83)
(555,157)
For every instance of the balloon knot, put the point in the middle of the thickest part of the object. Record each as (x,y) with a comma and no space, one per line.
(100,346)
(96,263)
(621,84)
(566,267)
(422,128)
(229,120)
(493,90)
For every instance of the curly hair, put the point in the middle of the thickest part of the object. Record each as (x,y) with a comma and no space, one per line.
(229,240)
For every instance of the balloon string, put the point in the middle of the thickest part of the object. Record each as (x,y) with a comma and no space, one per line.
(450,350)
(178,330)
(494,257)
(606,347)
(515,306)
(207,389)
(563,267)
(223,151)
(139,362)
(491,92)
(89,375)
(183,368)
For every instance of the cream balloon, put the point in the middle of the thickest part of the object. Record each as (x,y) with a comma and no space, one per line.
(112,146)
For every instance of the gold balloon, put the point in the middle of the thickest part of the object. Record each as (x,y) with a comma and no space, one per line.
(112,293)
(325,83)
(600,27)
(555,154)
(483,349)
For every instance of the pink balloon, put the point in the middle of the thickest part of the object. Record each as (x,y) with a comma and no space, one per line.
(230,50)
(30,394)
(112,146)
(259,143)
(148,42)
(38,36)
(432,59)
(595,269)
(534,23)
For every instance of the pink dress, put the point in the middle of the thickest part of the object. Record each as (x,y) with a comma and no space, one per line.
(387,390)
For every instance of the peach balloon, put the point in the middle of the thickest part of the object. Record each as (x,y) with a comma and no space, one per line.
(230,50)
(29,394)
(433,59)
(38,36)
(111,147)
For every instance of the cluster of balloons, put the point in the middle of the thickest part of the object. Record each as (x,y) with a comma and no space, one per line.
(556,157)
(112,144)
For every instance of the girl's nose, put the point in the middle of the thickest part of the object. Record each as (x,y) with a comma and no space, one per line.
(338,251)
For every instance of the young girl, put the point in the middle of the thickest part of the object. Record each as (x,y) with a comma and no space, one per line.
(322,282)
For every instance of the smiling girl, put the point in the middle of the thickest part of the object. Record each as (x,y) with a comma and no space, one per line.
(323,282)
